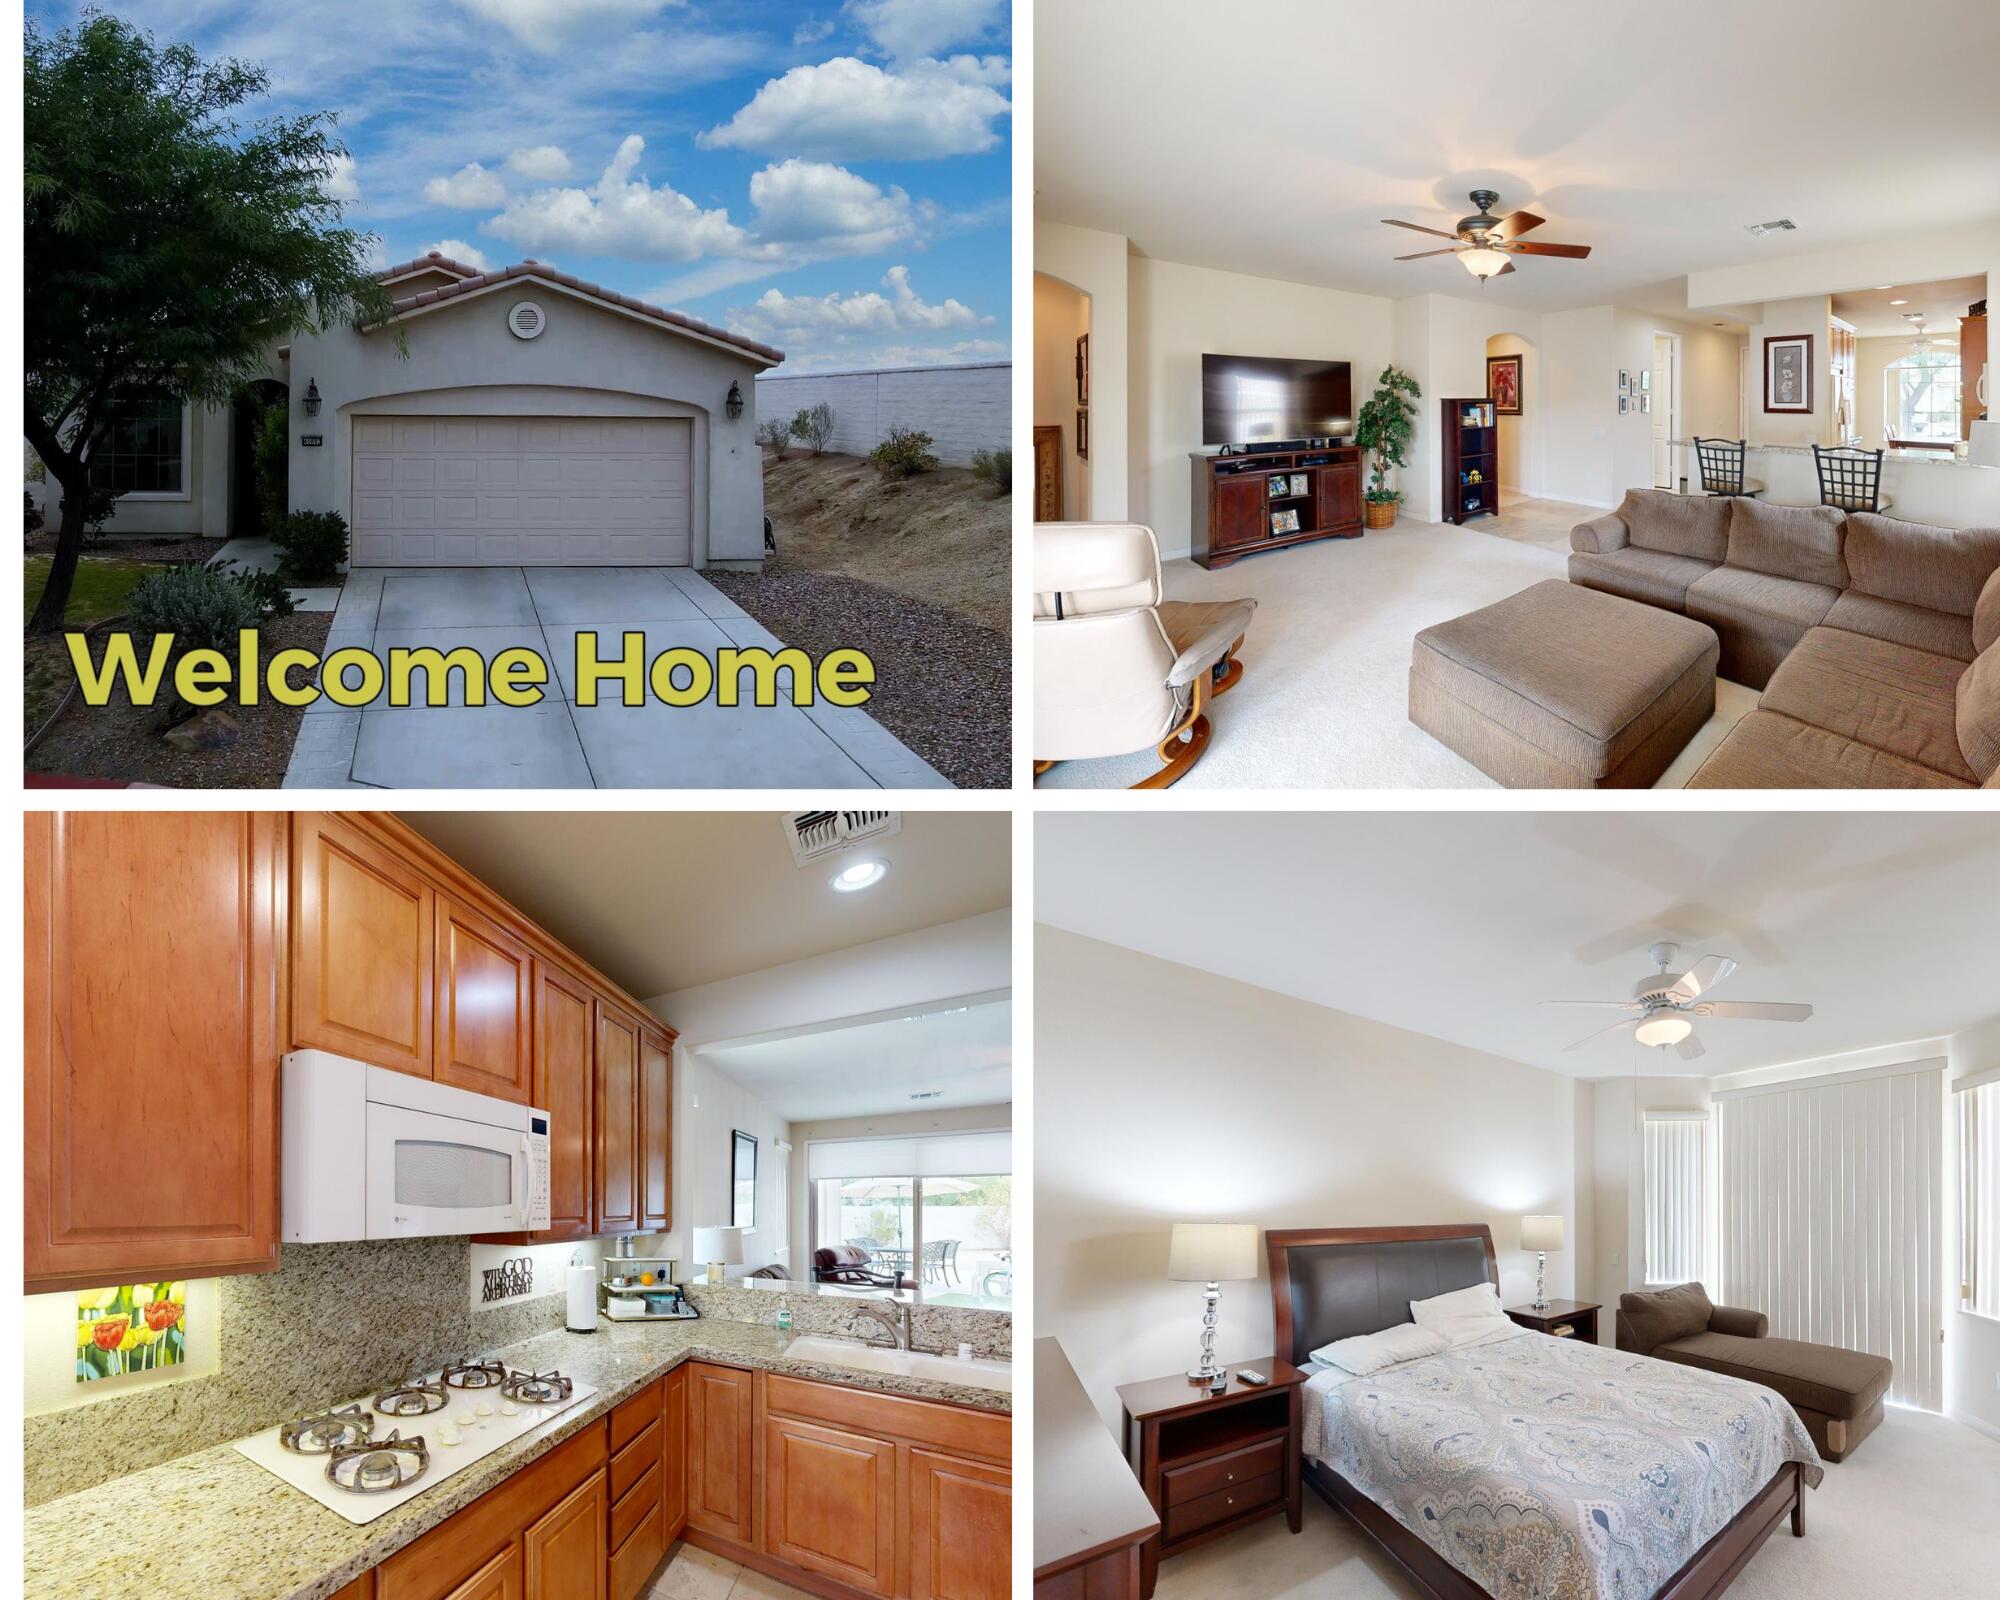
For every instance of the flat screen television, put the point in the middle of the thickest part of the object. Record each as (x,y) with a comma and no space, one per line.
(1267,400)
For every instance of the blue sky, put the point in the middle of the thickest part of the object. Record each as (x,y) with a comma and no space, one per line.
(830,178)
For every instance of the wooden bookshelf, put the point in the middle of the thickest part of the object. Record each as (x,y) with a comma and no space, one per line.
(1471,435)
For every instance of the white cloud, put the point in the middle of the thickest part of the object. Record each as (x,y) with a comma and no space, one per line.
(906,29)
(466,255)
(471,188)
(341,182)
(836,318)
(621,215)
(374,253)
(541,163)
(846,109)
(801,202)
(547,25)
(811,32)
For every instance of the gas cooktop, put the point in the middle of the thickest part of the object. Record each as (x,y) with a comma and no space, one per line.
(366,1457)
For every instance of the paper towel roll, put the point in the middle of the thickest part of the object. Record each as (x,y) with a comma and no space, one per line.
(583,1299)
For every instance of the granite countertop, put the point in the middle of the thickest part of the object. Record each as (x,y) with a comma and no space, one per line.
(1894,457)
(222,1522)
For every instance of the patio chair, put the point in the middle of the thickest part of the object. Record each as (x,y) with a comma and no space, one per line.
(933,1263)
(950,1265)
(851,1265)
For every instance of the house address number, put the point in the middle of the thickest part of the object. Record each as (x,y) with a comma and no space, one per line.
(309,440)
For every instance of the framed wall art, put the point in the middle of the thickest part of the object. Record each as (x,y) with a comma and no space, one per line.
(1503,384)
(1788,374)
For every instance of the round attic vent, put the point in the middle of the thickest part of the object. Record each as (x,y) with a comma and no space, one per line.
(526,320)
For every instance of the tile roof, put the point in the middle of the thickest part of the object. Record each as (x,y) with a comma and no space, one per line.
(535,269)
(434,261)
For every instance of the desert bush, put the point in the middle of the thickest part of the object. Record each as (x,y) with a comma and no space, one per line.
(774,435)
(314,542)
(273,464)
(269,589)
(34,516)
(814,427)
(202,608)
(904,453)
(995,467)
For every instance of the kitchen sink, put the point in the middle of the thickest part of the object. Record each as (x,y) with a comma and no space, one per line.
(976,1373)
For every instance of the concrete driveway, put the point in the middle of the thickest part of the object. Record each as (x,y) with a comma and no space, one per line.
(558,744)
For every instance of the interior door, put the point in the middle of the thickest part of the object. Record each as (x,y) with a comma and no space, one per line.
(485,1005)
(719,1455)
(563,1552)
(617,1109)
(1662,402)
(656,1131)
(830,1502)
(564,1089)
(961,1519)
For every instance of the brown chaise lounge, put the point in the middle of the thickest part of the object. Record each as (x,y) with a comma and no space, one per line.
(1837,1393)
(1873,639)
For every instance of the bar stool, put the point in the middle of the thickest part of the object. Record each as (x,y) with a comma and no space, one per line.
(1850,479)
(1721,463)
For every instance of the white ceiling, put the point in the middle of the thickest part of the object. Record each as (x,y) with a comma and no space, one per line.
(665,900)
(1942,303)
(1457,924)
(1271,139)
(962,1053)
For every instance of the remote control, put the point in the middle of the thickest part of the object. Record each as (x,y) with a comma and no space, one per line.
(1251,1376)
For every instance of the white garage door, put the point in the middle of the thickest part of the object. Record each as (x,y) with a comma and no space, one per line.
(521,491)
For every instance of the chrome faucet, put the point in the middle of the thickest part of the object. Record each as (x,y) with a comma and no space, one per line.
(880,1320)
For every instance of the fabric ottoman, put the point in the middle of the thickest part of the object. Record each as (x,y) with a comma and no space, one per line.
(1563,687)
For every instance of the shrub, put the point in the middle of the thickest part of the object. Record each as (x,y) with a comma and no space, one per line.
(904,453)
(815,427)
(314,542)
(269,589)
(202,608)
(273,465)
(774,435)
(34,516)
(995,467)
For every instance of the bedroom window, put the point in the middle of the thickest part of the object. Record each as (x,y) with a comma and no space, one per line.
(1979,1194)
(1674,1196)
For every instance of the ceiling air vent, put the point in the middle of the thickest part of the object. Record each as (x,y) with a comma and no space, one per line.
(1782,225)
(526,320)
(817,834)
(929,1094)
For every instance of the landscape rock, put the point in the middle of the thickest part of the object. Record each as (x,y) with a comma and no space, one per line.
(212,730)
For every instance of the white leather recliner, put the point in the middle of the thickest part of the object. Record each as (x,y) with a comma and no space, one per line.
(1117,668)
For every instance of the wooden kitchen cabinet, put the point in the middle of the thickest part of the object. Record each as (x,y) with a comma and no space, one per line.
(562,1553)
(656,1131)
(830,1502)
(961,1519)
(673,1455)
(484,1027)
(363,946)
(563,1087)
(499,1579)
(720,1452)
(617,1095)
(155,1016)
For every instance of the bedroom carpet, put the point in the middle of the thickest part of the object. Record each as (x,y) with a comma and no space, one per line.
(1911,1513)
(1324,701)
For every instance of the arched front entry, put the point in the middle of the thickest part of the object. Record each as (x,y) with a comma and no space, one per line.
(246,412)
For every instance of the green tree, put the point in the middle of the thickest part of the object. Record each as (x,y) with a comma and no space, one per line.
(168,245)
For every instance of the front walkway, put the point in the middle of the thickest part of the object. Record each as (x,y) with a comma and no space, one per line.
(558,744)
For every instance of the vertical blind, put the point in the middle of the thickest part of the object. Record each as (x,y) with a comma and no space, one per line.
(1673,1196)
(1832,1215)
(1979,1196)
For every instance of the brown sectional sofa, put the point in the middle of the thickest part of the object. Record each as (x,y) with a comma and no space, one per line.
(1876,641)
(1837,1393)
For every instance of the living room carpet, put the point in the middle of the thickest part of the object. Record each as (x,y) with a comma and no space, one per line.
(1909,1513)
(1324,701)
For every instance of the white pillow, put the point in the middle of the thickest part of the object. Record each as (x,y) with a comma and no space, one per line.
(1465,1317)
(1366,1353)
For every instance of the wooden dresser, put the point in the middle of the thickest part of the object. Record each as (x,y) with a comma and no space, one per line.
(1091,1518)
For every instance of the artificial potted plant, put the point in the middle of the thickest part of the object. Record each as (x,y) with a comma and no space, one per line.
(1386,426)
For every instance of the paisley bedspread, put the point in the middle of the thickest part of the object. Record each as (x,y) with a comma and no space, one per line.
(1548,1470)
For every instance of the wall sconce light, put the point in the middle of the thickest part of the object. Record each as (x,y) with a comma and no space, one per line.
(734,404)
(311,401)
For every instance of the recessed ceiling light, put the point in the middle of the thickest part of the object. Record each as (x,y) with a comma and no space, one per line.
(858,875)
(1899,302)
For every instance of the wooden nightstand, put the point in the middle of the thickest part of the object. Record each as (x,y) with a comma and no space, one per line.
(1213,1463)
(1567,1319)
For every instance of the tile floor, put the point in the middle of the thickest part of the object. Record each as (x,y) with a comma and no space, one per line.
(691,1574)
(1538,522)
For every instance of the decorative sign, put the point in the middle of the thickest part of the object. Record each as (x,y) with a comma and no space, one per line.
(136,1327)
(510,1280)
(312,440)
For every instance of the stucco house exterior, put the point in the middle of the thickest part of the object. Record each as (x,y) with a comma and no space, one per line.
(532,419)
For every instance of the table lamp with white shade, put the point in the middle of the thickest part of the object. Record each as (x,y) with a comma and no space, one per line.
(1541,1235)
(1212,1253)
(719,1247)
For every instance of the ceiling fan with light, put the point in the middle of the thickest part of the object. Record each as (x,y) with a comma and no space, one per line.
(1668,1002)
(1483,242)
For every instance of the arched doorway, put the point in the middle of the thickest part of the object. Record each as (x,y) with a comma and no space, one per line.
(246,413)
(1061,392)
(1520,435)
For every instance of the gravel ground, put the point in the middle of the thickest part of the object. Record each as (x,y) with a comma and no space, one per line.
(942,682)
(120,740)
(169,551)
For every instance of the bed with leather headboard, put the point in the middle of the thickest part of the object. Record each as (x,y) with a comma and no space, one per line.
(1544,1466)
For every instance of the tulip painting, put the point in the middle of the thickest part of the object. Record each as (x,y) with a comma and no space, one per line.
(136,1327)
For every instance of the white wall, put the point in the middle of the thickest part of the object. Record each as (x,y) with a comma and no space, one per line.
(965,407)
(1179,313)
(709,1108)
(1805,314)
(1095,263)
(1580,400)
(1518,434)
(1061,317)
(1164,1094)
(1616,1258)
(1972,1344)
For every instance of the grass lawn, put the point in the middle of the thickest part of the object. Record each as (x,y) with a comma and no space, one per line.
(103,586)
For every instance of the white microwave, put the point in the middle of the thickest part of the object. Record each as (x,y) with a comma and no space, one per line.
(374,1154)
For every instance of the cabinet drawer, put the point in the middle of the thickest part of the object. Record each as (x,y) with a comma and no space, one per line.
(1209,1509)
(631,1463)
(632,1562)
(629,1419)
(639,1502)
(1181,1484)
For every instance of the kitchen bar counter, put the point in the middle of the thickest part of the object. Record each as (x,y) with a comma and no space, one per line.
(1926,486)
(218,1525)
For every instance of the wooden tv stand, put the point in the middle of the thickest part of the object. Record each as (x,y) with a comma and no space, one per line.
(1235,500)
